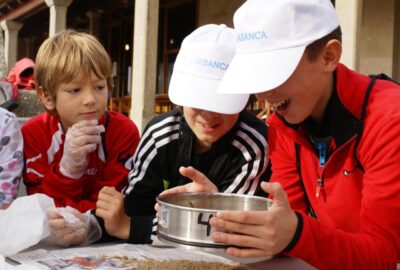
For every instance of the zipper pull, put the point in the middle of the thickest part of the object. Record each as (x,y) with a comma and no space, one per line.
(320,185)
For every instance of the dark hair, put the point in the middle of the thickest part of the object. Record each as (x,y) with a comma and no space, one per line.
(179,108)
(313,50)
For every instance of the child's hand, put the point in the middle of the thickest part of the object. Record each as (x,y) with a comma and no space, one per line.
(63,233)
(81,139)
(69,227)
(110,207)
(252,234)
(200,182)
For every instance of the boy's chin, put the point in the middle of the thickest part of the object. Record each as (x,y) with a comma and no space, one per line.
(293,120)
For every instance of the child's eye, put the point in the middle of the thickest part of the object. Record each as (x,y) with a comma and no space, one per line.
(100,87)
(73,91)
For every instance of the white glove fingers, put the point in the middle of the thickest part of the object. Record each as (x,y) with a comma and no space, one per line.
(89,148)
(80,141)
(71,237)
(73,218)
(52,213)
(88,130)
(56,224)
(78,233)
(75,212)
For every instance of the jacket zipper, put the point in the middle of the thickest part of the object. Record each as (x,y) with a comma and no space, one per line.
(322,164)
(322,153)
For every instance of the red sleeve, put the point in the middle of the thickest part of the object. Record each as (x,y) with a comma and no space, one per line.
(284,170)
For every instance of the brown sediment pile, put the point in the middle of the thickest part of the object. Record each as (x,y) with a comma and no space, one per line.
(151,264)
(185,265)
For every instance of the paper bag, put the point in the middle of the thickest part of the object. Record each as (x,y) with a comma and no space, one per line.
(24,223)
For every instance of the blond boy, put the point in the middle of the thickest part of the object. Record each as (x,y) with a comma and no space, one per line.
(76,147)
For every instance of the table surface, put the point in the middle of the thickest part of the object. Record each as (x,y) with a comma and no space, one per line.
(275,263)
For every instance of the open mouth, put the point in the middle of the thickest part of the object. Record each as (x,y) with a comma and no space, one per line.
(280,106)
(209,126)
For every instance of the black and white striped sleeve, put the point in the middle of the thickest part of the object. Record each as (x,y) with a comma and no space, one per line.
(146,177)
(251,141)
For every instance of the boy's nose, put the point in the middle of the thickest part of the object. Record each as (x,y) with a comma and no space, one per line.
(208,114)
(89,97)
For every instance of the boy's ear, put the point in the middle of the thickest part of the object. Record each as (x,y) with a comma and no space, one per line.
(46,99)
(332,53)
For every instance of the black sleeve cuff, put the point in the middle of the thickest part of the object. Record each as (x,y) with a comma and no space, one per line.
(105,237)
(141,228)
(296,235)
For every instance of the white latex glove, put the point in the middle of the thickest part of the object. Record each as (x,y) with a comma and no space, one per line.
(81,139)
(69,227)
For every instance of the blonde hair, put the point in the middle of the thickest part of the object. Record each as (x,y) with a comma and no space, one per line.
(65,56)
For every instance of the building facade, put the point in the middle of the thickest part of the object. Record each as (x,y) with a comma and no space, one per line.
(143,38)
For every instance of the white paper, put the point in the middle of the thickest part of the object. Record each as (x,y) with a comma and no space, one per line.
(120,256)
(7,266)
(24,223)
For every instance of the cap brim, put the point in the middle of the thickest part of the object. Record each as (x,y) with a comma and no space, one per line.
(201,93)
(261,71)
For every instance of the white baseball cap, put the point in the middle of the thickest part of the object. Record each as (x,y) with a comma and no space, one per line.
(201,63)
(271,38)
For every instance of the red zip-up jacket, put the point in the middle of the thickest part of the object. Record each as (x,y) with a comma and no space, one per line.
(358,213)
(109,165)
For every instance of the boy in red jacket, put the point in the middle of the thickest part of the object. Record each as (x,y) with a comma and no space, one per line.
(334,143)
(76,147)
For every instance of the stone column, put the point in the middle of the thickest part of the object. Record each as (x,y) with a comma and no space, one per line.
(378,37)
(11,29)
(144,62)
(396,69)
(94,22)
(58,15)
(349,12)
(3,67)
